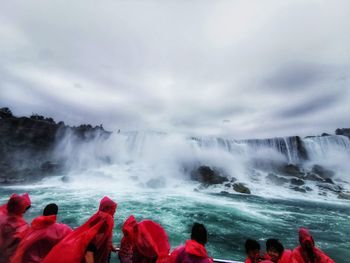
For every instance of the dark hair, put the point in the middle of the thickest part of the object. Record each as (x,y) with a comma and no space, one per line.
(251,244)
(199,233)
(276,244)
(50,209)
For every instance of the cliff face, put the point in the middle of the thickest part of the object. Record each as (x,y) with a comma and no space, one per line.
(27,144)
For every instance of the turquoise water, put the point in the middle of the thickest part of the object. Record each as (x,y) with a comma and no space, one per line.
(230,219)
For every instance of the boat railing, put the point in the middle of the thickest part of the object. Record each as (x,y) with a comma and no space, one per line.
(215,260)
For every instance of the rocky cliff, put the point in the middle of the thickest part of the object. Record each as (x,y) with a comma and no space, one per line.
(27,144)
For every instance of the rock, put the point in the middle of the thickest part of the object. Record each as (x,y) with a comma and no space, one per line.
(313,177)
(228,185)
(345,196)
(208,176)
(330,187)
(343,131)
(276,179)
(299,189)
(322,172)
(308,188)
(65,179)
(233,179)
(241,188)
(296,181)
(291,170)
(325,134)
(329,180)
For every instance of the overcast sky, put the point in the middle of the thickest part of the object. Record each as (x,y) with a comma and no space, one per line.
(242,69)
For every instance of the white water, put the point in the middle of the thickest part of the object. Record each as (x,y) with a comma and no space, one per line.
(134,160)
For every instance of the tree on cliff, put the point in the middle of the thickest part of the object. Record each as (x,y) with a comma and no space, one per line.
(5,113)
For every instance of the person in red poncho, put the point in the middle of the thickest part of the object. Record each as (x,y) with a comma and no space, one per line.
(307,252)
(277,253)
(150,243)
(194,249)
(252,249)
(12,225)
(91,242)
(126,244)
(43,235)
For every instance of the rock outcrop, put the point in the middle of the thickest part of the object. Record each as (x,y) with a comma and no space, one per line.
(208,176)
(343,131)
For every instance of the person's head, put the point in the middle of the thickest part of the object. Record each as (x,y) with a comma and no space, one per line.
(151,242)
(107,205)
(50,209)
(307,243)
(128,226)
(274,248)
(305,238)
(18,204)
(252,248)
(199,233)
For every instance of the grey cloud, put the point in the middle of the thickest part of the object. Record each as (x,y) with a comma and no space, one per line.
(179,65)
(298,76)
(316,103)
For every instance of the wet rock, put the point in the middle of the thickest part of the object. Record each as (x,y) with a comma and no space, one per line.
(241,188)
(344,132)
(65,179)
(299,189)
(233,179)
(313,177)
(330,187)
(272,178)
(308,188)
(291,170)
(345,196)
(296,181)
(208,176)
(329,180)
(227,185)
(322,172)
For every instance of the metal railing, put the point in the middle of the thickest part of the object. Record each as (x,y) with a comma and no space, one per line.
(226,261)
(216,260)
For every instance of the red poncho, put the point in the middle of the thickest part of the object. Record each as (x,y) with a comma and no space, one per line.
(43,235)
(97,230)
(150,242)
(301,256)
(192,251)
(286,257)
(126,244)
(12,225)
